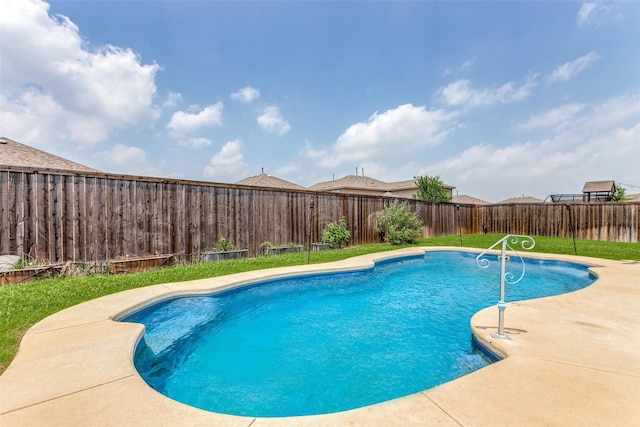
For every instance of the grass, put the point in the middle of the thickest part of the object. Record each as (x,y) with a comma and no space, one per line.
(22,305)
(553,245)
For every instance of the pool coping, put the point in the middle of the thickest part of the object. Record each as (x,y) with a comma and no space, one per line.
(573,359)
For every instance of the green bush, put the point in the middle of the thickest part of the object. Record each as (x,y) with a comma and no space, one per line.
(266,244)
(224,244)
(336,234)
(398,225)
(620,195)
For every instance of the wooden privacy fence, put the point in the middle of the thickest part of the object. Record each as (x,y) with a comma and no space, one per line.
(617,222)
(59,216)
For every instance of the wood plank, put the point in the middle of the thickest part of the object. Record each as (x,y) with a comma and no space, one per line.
(5,229)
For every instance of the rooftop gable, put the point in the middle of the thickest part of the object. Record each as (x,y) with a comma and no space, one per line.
(16,155)
(367,184)
(351,182)
(468,200)
(523,199)
(270,181)
(599,187)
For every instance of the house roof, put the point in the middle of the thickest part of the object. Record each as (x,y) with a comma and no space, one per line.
(633,197)
(523,199)
(355,182)
(351,182)
(14,154)
(409,184)
(599,187)
(270,181)
(463,198)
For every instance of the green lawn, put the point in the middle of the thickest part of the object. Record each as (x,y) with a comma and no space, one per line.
(23,305)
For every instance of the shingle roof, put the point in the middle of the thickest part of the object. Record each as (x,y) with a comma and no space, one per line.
(463,198)
(351,182)
(410,184)
(523,199)
(14,154)
(599,186)
(356,182)
(270,181)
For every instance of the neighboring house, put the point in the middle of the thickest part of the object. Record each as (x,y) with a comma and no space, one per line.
(16,155)
(354,184)
(598,191)
(409,188)
(269,181)
(523,199)
(468,200)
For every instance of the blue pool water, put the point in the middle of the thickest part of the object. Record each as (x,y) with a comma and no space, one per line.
(331,342)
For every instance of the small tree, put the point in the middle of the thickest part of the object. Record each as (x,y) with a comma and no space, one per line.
(336,234)
(431,188)
(398,225)
(620,195)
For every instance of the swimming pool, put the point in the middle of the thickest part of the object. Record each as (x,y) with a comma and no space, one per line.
(330,342)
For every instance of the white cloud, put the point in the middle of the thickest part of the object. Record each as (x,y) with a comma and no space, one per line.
(467,64)
(247,95)
(586,9)
(556,117)
(596,143)
(460,93)
(464,66)
(311,153)
(37,119)
(173,99)
(271,121)
(380,169)
(289,168)
(622,109)
(494,174)
(403,131)
(193,142)
(58,87)
(228,164)
(185,123)
(590,12)
(128,160)
(570,69)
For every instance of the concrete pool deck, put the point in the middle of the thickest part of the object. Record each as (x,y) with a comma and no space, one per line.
(573,360)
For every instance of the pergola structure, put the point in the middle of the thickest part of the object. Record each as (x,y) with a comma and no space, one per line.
(598,191)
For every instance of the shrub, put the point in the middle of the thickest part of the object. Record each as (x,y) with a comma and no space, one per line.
(620,195)
(398,225)
(266,244)
(224,244)
(336,233)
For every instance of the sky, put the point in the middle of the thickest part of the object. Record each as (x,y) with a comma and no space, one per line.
(499,98)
